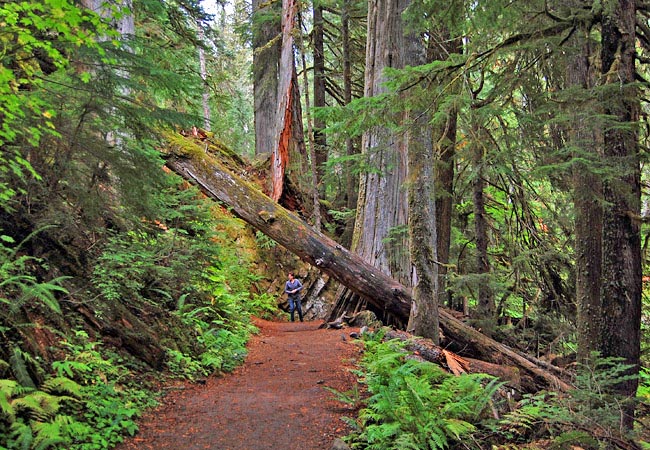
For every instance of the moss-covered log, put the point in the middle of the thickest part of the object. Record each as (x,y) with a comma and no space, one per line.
(286,228)
(250,204)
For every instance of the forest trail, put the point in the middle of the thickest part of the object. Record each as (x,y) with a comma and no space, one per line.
(275,400)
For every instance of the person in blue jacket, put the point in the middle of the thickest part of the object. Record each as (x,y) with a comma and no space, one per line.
(292,288)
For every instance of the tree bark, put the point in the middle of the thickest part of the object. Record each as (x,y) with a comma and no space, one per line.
(486,306)
(205,97)
(587,193)
(351,180)
(320,140)
(285,105)
(376,287)
(621,286)
(266,56)
(444,168)
(423,319)
(379,235)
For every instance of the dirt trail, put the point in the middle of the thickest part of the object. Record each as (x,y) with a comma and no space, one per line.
(275,400)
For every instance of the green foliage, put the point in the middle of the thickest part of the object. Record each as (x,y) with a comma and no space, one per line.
(222,330)
(110,405)
(263,305)
(165,257)
(414,404)
(29,49)
(36,418)
(263,241)
(644,385)
(589,416)
(19,283)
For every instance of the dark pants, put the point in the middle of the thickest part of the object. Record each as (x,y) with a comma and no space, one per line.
(294,303)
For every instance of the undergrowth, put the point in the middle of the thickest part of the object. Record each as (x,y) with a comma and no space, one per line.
(89,403)
(184,264)
(413,404)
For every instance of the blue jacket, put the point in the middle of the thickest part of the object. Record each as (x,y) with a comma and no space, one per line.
(291,285)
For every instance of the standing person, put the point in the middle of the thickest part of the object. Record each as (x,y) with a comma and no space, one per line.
(292,287)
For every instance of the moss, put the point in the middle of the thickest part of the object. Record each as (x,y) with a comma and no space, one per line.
(179,145)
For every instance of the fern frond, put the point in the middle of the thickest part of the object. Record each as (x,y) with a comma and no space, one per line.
(11,388)
(40,405)
(19,368)
(8,389)
(44,293)
(22,435)
(49,434)
(406,441)
(458,428)
(62,385)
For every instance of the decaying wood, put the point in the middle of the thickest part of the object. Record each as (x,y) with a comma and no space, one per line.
(483,347)
(380,290)
(285,106)
(456,364)
(425,349)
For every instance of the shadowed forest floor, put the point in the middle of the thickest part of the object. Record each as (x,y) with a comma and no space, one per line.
(275,400)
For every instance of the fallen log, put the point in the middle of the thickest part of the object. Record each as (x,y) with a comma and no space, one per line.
(427,350)
(246,201)
(286,228)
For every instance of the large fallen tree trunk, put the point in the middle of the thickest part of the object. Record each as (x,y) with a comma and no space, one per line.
(286,228)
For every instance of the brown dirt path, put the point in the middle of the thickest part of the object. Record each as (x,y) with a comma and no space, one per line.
(275,400)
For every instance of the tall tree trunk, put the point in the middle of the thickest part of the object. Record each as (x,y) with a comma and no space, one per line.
(283,127)
(351,180)
(125,26)
(266,57)
(381,219)
(486,306)
(204,77)
(587,194)
(621,288)
(444,142)
(423,318)
(320,141)
(313,164)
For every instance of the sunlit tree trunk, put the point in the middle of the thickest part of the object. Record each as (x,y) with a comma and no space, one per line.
(621,287)
(205,97)
(125,25)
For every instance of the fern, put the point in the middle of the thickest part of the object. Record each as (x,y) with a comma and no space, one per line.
(416,405)
(40,406)
(51,434)
(43,292)
(8,390)
(62,385)
(567,420)
(18,361)
(21,435)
